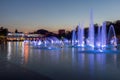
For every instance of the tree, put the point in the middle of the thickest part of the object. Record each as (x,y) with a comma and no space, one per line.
(16,31)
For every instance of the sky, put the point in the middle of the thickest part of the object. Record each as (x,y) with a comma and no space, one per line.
(30,15)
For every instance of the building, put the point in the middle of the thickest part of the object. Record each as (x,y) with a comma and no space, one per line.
(61,31)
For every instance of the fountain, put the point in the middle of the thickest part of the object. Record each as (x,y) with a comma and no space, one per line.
(80,34)
(102,42)
(103,35)
(50,43)
(98,39)
(112,40)
(73,38)
(91,31)
(94,43)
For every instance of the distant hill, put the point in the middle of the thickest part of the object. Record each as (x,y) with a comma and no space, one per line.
(41,31)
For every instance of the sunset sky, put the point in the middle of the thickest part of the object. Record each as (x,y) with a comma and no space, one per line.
(30,15)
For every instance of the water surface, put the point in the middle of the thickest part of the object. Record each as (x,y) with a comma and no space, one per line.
(63,64)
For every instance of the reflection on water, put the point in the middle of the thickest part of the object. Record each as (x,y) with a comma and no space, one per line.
(65,63)
(26,51)
(9,51)
(18,50)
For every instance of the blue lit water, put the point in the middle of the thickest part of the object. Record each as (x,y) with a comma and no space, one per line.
(65,63)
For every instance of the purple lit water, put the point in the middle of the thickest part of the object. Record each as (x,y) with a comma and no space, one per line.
(64,63)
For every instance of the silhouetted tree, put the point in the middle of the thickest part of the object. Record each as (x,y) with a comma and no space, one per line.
(1,28)
(3,31)
(68,35)
(16,31)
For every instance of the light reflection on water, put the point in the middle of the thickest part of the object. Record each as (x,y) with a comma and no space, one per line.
(65,63)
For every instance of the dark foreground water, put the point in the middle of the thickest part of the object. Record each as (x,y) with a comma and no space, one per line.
(64,63)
